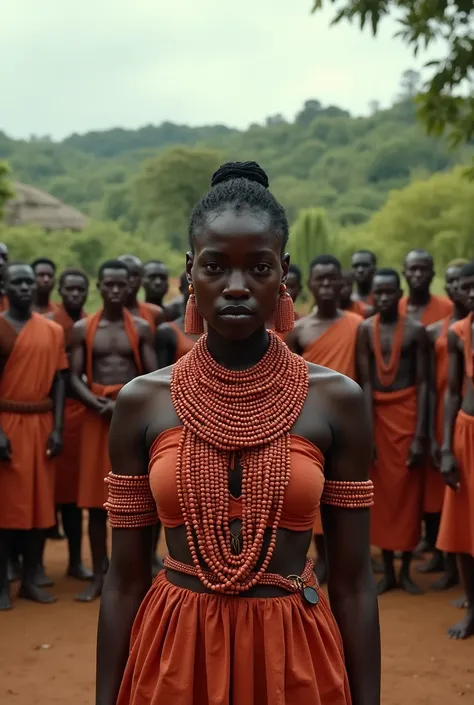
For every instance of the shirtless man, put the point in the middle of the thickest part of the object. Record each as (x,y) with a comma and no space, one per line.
(364,264)
(434,488)
(171,340)
(456,533)
(154,315)
(45,274)
(109,349)
(326,337)
(393,365)
(346,302)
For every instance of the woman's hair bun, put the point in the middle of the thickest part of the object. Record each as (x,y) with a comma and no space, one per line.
(240,170)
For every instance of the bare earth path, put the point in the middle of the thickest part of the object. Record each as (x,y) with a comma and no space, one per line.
(47,653)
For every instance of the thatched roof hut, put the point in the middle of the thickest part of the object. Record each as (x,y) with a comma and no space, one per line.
(30,206)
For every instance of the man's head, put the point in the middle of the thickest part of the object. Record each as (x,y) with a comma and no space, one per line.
(114,283)
(346,289)
(135,268)
(325,279)
(73,289)
(386,290)
(293,281)
(451,279)
(45,272)
(3,259)
(155,280)
(364,263)
(20,285)
(419,271)
(466,285)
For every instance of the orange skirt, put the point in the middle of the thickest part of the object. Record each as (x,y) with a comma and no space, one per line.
(191,648)
(456,531)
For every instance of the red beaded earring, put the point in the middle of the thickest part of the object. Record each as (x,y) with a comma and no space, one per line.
(193,323)
(284,312)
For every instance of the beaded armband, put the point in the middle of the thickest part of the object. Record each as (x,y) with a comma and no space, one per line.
(130,503)
(350,495)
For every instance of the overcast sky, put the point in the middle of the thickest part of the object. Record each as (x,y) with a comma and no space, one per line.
(74,66)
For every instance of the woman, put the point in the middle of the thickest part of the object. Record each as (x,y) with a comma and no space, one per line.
(231,443)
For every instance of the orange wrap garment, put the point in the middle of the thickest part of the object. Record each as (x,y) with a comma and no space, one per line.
(336,349)
(438,307)
(150,312)
(434,485)
(397,511)
(183,342)
(358,307)
(95,462)
(3,303)
(456,531)
(27,481)
(190,648)
(67,464)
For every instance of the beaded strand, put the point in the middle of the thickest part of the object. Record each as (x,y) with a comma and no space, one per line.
(223,411)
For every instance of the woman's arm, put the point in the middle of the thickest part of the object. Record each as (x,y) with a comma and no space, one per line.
(129,574)
(351,585)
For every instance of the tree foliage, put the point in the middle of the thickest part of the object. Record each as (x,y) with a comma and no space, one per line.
(446,101)
(6,191)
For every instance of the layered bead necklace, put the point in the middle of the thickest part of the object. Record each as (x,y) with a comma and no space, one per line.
(226,411)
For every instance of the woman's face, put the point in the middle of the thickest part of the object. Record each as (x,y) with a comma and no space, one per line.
(236,271)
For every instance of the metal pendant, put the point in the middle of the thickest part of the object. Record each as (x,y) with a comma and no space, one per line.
(236,543)
(310,594)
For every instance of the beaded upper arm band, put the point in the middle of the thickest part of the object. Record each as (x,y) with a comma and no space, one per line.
(130,503)
(349,495)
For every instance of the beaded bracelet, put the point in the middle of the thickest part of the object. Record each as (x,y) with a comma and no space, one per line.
(349,495)
(130,503)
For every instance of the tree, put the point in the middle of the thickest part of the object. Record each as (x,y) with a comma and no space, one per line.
(6,191)
(169,186)
(310,236)
(409,84)
(310,110)
(446,101)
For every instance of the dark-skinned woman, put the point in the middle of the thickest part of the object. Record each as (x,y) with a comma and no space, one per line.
(234,447)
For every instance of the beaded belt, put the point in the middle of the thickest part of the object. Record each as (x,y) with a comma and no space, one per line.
(26,407)
(292,583)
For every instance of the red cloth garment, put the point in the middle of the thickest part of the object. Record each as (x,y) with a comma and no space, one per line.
(184,343)
(151,313)
(438,307)
(27,481)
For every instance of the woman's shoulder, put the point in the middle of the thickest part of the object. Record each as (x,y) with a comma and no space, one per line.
(145,388)
(333,389)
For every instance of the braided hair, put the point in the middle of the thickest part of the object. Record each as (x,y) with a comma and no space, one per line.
(242,186)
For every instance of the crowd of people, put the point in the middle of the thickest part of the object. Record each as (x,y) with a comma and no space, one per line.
(61,374)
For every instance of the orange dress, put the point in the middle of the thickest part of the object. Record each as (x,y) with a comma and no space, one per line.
(27,481)
(67,464)
(195,648)
(456,531)
(434,485)
(94,459)
(336,349)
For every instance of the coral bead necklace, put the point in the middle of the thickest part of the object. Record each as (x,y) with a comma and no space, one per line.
(223,412)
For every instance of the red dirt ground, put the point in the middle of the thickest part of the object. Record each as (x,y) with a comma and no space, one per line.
(47,653)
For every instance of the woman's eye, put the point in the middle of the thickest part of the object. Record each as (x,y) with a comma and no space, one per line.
(212,267)
(261,268)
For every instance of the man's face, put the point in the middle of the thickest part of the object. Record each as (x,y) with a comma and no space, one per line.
(44,275)
(20,286)
(418,271)
(363,267)
(466,290)
(293,285)
(155,279)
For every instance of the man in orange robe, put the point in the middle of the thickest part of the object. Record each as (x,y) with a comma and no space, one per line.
(434,487)
(153,315)
(109,348)
(347,303)
(393,364)
(326,337)
(421,305)
(32,389)
(45,275)
(456,533)
(73,289)
(3,262)
(364,264)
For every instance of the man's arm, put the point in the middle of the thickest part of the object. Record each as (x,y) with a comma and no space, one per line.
(422,378)
(77,367)
(452,404)
(364,368)
(147,350)
(166,344)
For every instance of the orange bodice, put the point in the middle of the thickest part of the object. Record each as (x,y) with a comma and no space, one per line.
(302,495)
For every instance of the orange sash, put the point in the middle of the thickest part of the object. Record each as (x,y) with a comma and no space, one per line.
(183,342)
(438,307)
(150,312)
(336,347)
